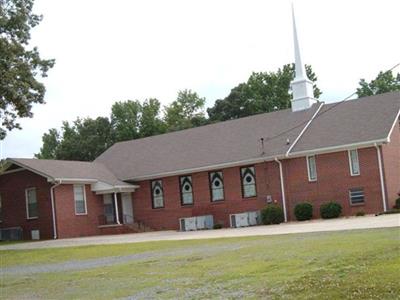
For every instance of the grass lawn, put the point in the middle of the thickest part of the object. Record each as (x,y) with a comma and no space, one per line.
(359,264)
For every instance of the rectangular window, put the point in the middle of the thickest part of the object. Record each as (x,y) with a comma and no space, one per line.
(311,168)
(186,190)
(80,200)
(217,186)
(157,194)
(31,203)
(354,164)
(356,196)
(248,177)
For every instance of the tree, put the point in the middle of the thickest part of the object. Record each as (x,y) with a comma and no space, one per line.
(186,111)
(125,120)
(51,142)
(383,83)
(263,92)
(19,66)
(84,140)
(150,121)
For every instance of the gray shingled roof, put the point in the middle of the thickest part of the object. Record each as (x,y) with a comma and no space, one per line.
(56,169)
(353,121)
(236,141)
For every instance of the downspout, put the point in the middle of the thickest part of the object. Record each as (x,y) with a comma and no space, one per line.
(282,188)
(378,152)
(116,208)
(53,209)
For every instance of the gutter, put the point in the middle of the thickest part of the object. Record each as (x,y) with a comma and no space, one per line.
(382,179)
(282,188)
(53,210)
(304,130)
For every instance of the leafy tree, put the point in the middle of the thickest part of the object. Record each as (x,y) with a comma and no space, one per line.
(20,67)
(150,121)
(263,92)
(51,142)
(185,112)
(383,83)
(125,120)
(84,140)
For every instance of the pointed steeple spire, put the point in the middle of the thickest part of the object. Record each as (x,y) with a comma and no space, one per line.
(299,66)
(302,87)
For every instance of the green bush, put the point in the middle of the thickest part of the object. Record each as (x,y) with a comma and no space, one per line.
(272,214)
(330,210)
(303,211)
(397,205)
(360,213)
(217,226)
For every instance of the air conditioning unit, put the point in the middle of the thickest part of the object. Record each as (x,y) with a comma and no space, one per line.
(239,220)
(188,224)
(196,223)
(254,218)
(245,219)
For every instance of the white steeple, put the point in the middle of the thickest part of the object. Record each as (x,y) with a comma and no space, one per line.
(302,87)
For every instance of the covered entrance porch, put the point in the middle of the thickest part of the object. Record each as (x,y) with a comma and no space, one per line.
(117,209)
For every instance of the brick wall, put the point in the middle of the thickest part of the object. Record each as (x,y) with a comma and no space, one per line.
(391,165)
(333,184)
(12,191)
(68,223)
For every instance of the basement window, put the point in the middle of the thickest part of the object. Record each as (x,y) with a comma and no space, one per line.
(248,176)
(356,196)
(80,200)
(354,163)
(31,203)
(311,168)
(1,210)
(217,186)
(157,194)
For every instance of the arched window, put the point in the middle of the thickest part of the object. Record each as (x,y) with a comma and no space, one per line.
(248,177)
(217,186)
(186,190)
(157,194)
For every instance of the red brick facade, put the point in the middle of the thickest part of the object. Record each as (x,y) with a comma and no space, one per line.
(333,183)
(12,191)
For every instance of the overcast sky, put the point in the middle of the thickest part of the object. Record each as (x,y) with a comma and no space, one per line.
(108,51)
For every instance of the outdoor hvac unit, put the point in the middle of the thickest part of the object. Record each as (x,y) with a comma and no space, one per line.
(240,220)
(245,219)
(188,224)
(196,223)
(11,234)
(254,218)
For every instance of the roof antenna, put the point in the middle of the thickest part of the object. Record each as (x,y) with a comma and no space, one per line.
(262,146)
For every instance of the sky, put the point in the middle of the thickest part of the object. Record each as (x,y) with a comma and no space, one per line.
(108,51)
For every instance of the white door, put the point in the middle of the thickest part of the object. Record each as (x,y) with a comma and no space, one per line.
(127,209)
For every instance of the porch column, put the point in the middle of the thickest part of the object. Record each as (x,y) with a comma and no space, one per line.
(116,208)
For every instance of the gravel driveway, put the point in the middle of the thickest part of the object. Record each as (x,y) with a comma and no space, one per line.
(286,228)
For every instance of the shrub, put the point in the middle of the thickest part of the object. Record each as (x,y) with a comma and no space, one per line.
(360,213)
(303,211)
(330,210)
(217,226)
(397,205)
(272,214)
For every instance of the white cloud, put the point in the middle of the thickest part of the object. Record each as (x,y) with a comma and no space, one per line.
(108,51)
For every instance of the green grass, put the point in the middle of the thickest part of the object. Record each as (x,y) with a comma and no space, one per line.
(360,264)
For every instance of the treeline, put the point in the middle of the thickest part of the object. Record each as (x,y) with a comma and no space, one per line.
(85,139)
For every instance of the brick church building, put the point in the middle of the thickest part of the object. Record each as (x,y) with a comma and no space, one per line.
(224,173)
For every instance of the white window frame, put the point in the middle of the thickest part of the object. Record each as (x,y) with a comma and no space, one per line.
(84,199)
(351,162)
(28,217)
(358,190)
(308,168)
